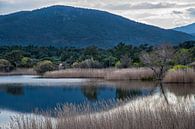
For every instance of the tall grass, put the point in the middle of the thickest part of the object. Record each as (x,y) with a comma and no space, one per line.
(180,76)
(130,74)
(144,113)
(108,74)
(78,73)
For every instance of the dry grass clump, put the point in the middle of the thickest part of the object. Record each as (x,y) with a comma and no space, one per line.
(145,113)
(108,74)
(180,76)
(130,74)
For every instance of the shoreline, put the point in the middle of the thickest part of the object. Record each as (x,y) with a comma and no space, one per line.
(111,74)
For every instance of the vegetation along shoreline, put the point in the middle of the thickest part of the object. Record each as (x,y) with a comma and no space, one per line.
(122,62)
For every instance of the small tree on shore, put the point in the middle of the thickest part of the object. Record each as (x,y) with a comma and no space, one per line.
(5,66)
(44,66)
(159,60)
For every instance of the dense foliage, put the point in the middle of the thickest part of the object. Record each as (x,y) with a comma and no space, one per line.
(44,66)
(5,66)
(121,56)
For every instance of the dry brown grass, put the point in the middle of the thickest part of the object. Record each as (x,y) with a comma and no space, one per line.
(145,113)
(23,71)
(108,74)
(180,76)
(78,73)
(130,74)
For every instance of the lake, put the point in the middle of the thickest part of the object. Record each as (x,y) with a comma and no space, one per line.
(27,94)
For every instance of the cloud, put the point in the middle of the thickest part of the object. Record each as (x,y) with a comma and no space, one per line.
(147,5)
(163,13)
(177,12)
(191,12)
(117,7)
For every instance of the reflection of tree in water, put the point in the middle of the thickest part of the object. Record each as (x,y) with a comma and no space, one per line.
(127,93)
(15,90)
(90,92)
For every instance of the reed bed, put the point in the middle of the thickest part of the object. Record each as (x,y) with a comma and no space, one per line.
(108,74)
(130,74)
(180,76)
(77,73)
(152,112)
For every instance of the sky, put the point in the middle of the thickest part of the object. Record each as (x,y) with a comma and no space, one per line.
(163,13)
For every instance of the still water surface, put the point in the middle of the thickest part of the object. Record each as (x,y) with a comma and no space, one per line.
(25,94)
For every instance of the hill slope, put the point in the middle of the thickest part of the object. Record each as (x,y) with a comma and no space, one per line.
(69,26)
(189,29)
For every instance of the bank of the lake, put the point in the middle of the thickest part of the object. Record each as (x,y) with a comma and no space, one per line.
(143,74)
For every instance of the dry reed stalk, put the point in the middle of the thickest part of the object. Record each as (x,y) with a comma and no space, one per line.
(144,113)
(108,74)
(180,76)
(130,74)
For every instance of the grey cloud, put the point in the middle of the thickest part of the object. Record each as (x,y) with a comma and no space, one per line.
(177,12)
(3,4)
(147,5)
(191,12)
(117,7)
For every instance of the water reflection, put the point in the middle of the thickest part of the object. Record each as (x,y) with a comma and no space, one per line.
(90,92)
(25,98)
(16,90)
(181,89)
(123,93)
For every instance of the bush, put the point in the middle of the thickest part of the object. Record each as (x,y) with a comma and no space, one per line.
(5,66)
(88,63)
(27,62)
(179,67)
(44,66)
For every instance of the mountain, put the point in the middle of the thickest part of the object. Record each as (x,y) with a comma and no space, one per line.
(78,27)
(189,29)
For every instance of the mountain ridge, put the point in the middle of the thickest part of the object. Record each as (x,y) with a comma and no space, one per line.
(78,27)
(189,29)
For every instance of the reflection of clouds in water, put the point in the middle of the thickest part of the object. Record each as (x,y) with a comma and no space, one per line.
(35,80)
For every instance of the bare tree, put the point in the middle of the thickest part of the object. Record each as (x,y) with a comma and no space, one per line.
(159,60)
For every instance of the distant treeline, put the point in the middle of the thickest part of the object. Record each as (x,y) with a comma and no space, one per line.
(121,56)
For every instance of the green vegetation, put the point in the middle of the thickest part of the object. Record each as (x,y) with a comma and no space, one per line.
(44,66)
(120,56)
(5,66)
(180,67)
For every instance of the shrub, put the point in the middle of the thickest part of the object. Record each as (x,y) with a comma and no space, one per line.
(179,67)
(27,62)
(88,63)
(5,66)
(44,66)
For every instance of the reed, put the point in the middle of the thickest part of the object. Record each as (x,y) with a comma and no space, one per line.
(180,76)
(108,74)
(144,113)
(77,73)
(130,74)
